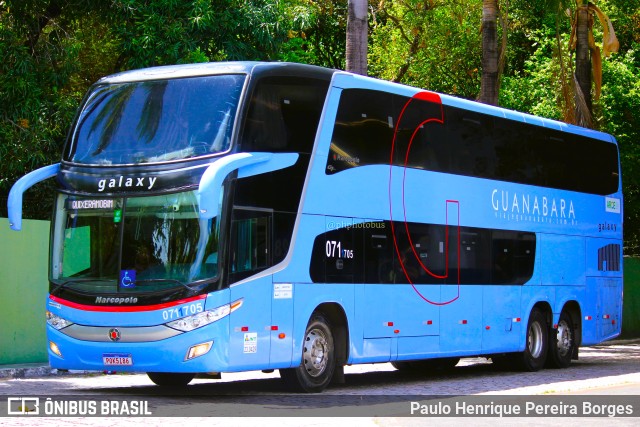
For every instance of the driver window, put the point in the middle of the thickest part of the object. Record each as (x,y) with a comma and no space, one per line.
(250,242)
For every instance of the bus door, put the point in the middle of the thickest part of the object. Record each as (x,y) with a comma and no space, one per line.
(249,254)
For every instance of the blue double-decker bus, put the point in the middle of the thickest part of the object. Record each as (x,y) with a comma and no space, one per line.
(256,216)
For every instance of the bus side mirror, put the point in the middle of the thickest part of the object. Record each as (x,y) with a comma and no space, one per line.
(247,164)
(14,203)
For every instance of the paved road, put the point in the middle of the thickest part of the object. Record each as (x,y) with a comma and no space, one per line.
(379,393)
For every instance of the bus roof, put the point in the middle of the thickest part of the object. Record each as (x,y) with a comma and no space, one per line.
(213,68)
(304,70)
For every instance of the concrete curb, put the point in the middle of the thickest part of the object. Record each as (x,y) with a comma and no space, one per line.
(35,370)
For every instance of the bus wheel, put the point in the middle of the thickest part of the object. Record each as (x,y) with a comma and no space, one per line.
(165,379)
(534,355)
(562,342)
(318,359)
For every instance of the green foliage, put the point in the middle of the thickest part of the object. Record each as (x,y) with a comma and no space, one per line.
(317,32)
(37,102)
(535,88)
(161,32)
(434,45)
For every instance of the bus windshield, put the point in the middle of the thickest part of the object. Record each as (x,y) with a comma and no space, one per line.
(156,121)
(133,245)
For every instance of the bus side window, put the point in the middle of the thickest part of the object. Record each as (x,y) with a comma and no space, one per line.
(283,115)
(513,256)
(337,256)
(265,129)
(363,130)
(250,243)
(378,255)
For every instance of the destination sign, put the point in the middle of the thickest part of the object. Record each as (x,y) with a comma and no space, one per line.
(90,204)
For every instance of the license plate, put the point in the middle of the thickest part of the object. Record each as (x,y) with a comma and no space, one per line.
(117,359)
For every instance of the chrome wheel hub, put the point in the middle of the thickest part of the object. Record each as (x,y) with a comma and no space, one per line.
(534,339)
(315,352)
(564,338)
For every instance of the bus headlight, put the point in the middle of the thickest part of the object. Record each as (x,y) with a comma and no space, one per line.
(204,318)
(57,322)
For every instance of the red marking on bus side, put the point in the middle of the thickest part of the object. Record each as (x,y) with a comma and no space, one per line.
(433,98)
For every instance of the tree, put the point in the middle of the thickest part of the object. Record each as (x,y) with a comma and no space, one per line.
(588,57)
(316,33)
(39,57)
(489,81)
(583,67)
(357,29)
(433,44)
(159,32)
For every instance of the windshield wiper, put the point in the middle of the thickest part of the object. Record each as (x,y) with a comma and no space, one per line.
(65,283)
(184,285)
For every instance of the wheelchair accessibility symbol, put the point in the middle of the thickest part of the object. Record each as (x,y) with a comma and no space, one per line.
(127,278)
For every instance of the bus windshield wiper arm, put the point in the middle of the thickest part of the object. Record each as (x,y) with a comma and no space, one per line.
(185,285)
(66,282)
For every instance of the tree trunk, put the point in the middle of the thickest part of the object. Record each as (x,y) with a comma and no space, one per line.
(357,37)
(583,68)
(490,55)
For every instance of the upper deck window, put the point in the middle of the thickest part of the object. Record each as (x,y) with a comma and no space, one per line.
(466,143)
(156,121)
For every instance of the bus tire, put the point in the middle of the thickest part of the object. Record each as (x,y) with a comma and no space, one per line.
(166,379)
(562,342)
(536,347)
(318,359)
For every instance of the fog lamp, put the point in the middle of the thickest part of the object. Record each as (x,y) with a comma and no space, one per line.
(54,348)
(199,350)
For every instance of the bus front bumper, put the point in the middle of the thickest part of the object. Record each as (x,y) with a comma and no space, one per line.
(198,351)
